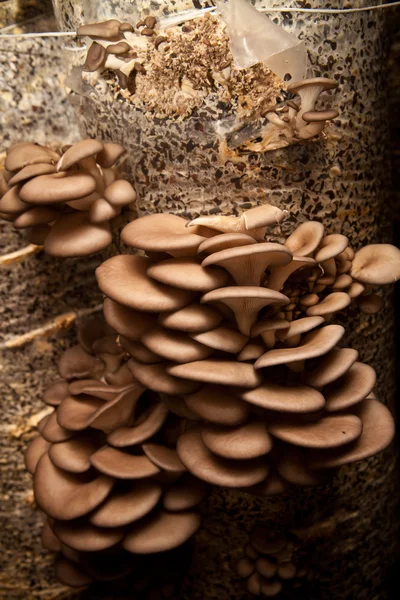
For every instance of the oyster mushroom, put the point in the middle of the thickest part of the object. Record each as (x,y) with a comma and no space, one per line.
(377,264)
(224,241)
(279,275)
(108,30)
(224,339)
(220,372)
(330,304)
(128,436)
(174,346)
(351,388)
(194,318)
(159,378)
(57,187)
(330,246)
(126,321)
(370,304)
(285,398)
(122,465)
(214,403)
(188,274)
(330,367)
(306,238)
(242,442)
(120,193)
(74,235)
(27,153)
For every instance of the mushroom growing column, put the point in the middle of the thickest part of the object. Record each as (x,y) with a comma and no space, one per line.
(194,129)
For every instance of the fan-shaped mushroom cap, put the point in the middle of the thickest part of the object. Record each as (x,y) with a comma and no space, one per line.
(76,363)
(370,304)
(124,279)
(122,465)
(36,216)
(251,351)
(186,493)
(309,300)
(215,470)
(63,495)
(309,90)
(77,152)
(94,387)
(300,326)
(53,432)
(350,388)
(378,264)
(73,454)
(316,116)
(127,322)
(174,346)
(161,532)
(74,235)
(238,443)
(158,378)
(330,246)
(36,448)
(315,344)
(328,432)
(162,233)
(105,30)
(306,238)
(331,367)
(140,352)
(27,153)
(11,203)
(188,274)
(330,304)
(109,155)
(177,405)
(245,302)
(342,282)
(128,436)
(215,404)
(284,398)
(279,275)
(164,458)
(221,372)
(56,392)
(57,187)
(124,507)
(100,211)
(85,537)
(377,434)
(221,338)
(247,264)
(356,289)
(120,193)
(31,171)
(194,318)
(225,241)
(293,467)
(268,325)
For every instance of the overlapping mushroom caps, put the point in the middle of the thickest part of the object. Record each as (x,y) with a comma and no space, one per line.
(105,468)
(233,332)
(64,200)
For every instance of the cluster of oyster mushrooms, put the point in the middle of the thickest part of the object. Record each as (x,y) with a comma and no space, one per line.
(64,200)
(233,333)
(105,468)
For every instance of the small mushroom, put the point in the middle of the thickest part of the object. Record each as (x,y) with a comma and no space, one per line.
(377,264)
(306,238)
(315,344)
(107,30)
(318,116)
(370,304)
(109,155)
(100,211)
(188,274)
(300,326)
(39,215)
(11,202)
(95,58)
(309,90)
(124,279)
(164,458)
(56,392)
(27,153)
(77,363)
(220,372)
(120,193)
(31,171)
(247,264)
(330,304)
(292,466)
(73,454)
(128,436)
(85,537)
(122,465)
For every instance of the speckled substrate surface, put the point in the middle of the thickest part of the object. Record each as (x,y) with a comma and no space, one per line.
(352,556)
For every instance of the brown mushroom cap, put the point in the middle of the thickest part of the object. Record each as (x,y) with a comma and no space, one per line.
(127,322)
(77,152)
(124,279)
(221,338)
(306,238)
(106,30)
(215,404)
(238,443)
(56,392)
(330,246)
(11,203)
(174,346)
(120,193)
(164,458)
(100,211)
(34,452)
(36,216)
(57,187)
(161,532)
(48,539)
(378,432)
(63,495)
(350,388)
(284,398)
(74,235)
(193,318)
(109,155)
(378,264)
(186,493)
(330,367)
(330,304)
(162,233)
(246,264)
(69,573)
(188,274)
(315,344)
(328,432)
(370,304)
(73,454)
(316,116)
(267,325)
(140,352)
(27,153)
(85,537)
(245,302)
(225,241)
(251,351)
(77,363)
(31,171)
(119,464)
(158,378)
(53,432)
(128,436)
(215,470)
(128,505)
(220,372)
(300,326)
